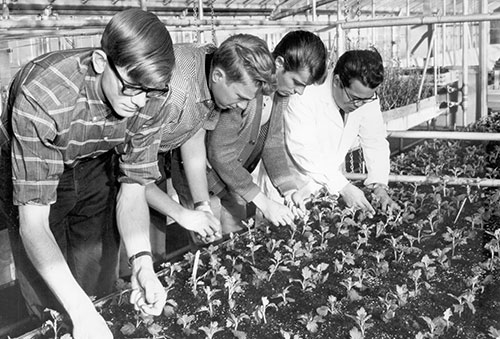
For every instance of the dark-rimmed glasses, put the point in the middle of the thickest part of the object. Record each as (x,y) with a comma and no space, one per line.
(133,90)
(358,102)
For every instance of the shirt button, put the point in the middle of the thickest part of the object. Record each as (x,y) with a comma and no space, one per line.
(94,119)
(252,142)
(105,138)
(240,160)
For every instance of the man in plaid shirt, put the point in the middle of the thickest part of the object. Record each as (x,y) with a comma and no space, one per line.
(67,110)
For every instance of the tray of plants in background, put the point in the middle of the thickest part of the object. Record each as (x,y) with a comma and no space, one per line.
(430,270)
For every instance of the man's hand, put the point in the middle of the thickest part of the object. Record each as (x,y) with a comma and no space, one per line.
(88,324)
(296,202)
(203,222)
(148,295)
(387,203)
(355,198)
(278,214)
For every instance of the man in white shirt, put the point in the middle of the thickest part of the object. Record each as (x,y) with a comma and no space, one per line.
(326,121)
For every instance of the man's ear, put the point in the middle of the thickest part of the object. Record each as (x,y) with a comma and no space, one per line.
(217,75)
(99,61)
(337,81)
(279,62)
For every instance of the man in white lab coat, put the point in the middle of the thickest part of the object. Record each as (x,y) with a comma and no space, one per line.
(326,121)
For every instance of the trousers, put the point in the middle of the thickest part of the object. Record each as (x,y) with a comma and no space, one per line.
(84,226)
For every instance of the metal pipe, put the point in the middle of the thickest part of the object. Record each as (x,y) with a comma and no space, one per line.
(101,21)
(417,20)
(290,12)
(484,29)
(429,180)
(465,66)
(408,30)
(314,4)
(426,65)
(444,135)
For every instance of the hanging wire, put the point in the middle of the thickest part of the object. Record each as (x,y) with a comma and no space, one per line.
(358,16)
(212,18)
(347,10)
(195,21)
(351,161)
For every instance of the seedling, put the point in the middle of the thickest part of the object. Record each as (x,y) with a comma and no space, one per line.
(195,280)
(186,321)
(441,256)
(234,321)
(324,234)
(347,258)
(311,321)
(276,265)
(436,326)
(426,264)
(333,307)
(307,283)
(351,292)
(253,248)
(234,285)
(260,311)
(259,277)
(390,307)
(415,276)
(494,333)
(494,247)
(362,240)
(360,275)
(311,276)
(466,298)
(430,219)
(54,322)
(285,299)
(234,266)
(211,302)
(289,335)
(396,247)
(455,237)
(249,224)
(273,244)
(379,255)
(295,251)
(361,319)
(211,330)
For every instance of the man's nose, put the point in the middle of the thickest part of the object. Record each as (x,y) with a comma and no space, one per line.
(242,104)
(140,99)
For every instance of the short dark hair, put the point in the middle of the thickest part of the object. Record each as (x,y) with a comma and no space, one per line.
(303,50)
(249,53)
(139,42)
(364,65)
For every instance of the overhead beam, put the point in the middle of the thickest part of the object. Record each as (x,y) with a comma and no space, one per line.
(10,26)
(414,21)
(284,14)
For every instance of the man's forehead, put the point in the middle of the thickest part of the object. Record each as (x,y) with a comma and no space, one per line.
(245,90)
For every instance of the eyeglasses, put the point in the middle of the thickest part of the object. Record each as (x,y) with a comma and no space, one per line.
(132,90)
(358,102)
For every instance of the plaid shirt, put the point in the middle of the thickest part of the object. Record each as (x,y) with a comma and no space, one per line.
(56,119)
(189,105)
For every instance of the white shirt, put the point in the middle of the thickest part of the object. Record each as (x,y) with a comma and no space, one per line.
(318,140)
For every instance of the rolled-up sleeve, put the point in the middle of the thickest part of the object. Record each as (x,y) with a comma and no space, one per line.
(36,164)
(372,135)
